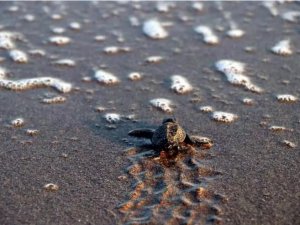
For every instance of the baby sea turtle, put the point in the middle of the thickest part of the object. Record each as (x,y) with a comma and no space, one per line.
(170,135)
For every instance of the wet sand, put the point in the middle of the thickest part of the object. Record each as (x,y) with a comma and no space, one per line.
(77,150)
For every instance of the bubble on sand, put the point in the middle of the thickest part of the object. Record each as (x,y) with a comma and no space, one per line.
(278,128)
(3,73)
(58,30)
(116,49)
(51,187)
(291,16)
(163,104)
(6,40)
(100,38)
(208,35)
(18,122)
(29,17)
(37,52)
(59,40)
(180,84)
(235,33)
(153,29)
(32,132)
(134,21)
(154,59)
(106,78)
(248,101)
(234,72)
(65,62)
(75,26)
(289,144)
(282,48)
(206,109)
(18,56)
(112,117)
(224,117)
(164,7)
(54,100)
(271,6)
(56,16)
(197,6)
(286,98)
(25,84)
(135,76)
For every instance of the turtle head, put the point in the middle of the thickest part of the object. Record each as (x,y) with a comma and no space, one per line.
(169,120)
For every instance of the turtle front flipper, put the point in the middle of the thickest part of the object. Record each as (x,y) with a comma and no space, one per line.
(142,133)
(199,141)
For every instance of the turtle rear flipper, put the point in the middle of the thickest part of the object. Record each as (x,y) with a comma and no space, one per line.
(199,141)
(142,133)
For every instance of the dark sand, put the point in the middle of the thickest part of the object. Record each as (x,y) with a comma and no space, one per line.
(260,176)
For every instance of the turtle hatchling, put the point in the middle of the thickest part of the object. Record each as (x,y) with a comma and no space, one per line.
(170,135)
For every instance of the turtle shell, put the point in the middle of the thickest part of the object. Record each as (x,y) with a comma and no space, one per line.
(168,134)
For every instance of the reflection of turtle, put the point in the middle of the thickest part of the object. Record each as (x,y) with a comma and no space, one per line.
(170,135)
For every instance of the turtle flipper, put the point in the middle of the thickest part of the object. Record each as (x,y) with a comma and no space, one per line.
(199,141)
(142,133)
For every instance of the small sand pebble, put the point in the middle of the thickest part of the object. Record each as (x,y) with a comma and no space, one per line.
(224,117)
(248,101)
(100,109)
(100,38)
(54,100)
(51,187)
(115,49)
(18,122)
(286,98)
(278,128)
(154,59)
(235,33)
(65,62)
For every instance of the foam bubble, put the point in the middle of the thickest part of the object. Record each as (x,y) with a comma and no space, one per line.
(75,26)
(163,104)
(100,38)
(59,40)
(29,17)
(208,35)
(180,84)
(154,59)
(32,132)
(25,84)
(206,109)
(6,40)
(289,144)
(224,117)
(235,33)
(197,6)
(153,29)
(105,77)
(134,76)
(54,100)
(248,101)
(115,49)
(112,117)
(234,72)
(38,52)
(18,56)
(164,7)
(58,30)
(3,73)
(282,48)
(286,98)
(291,16)
(65,62)
(277,128)
(18,122)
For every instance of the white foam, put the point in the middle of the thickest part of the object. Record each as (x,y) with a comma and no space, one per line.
(75,26)
(277,128)
(197,6)
(105,77)
(282,48)
(289,144)
(248,101)
(163,104)
(291,16)
(29,17)
(234,72)
(59,40)
(116,49)
(224,117)
(25,84)
(32,132)
(58,30)
(3,72)
(180,84)
(6,40)
(164,7)
(271,6)
(18,56)
(134,76)
(100,38)
(208,35)
(54,100)
(286,98)
(153,29)
(18,122)
(206,109)
(65,62)
(235,33)
(112,117)
(154,59)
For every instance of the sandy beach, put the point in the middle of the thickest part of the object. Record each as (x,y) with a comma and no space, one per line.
(74,124)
